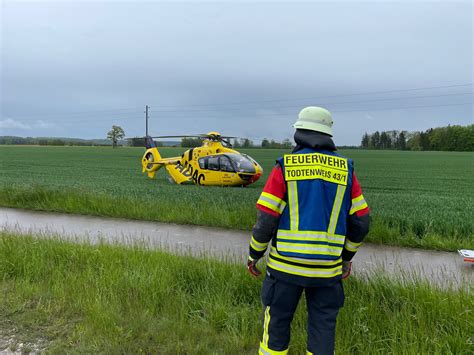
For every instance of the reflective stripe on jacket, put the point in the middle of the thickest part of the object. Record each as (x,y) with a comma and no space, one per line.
(313,223)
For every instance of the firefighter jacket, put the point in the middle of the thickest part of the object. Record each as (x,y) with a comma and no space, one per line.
(313,212)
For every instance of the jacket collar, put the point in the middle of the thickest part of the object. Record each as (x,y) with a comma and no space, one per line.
(310,139)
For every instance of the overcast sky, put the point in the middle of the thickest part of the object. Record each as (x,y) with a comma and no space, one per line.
(73,69)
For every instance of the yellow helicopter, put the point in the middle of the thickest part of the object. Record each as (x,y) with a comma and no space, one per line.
(213,163)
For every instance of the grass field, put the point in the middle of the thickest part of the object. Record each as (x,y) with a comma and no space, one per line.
(71,298)
(417,198)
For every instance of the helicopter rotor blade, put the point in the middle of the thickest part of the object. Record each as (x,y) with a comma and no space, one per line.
(180,136)
(225,141)
(195,136)
(209,135)
(200,135)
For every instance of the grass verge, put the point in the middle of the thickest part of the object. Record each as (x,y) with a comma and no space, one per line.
(111,299)
(215,211)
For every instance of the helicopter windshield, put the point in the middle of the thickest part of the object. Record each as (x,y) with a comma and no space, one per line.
(241,163)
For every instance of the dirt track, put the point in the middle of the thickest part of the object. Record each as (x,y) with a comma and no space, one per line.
(443,268)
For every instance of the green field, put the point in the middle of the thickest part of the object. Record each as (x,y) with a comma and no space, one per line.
(417,198)
(80,298)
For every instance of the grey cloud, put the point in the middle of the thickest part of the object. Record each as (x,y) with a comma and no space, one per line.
(59,58)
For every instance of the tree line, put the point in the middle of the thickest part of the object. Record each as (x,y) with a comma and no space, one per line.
(450,138)
(14,140)
(242,143)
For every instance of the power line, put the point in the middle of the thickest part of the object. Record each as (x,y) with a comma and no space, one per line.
(357,110)
(86,120)
(387,108)
(342,111)
(329,96)
(78,118)
(179,112)
(139,120)
(76,113)
(324,103)
(63,116)
(407,107)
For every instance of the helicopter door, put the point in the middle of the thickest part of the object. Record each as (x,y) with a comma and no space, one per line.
(213,163)
(209,165)
(227,169)
(226,165)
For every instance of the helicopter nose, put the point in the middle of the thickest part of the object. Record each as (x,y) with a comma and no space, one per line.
(255,178)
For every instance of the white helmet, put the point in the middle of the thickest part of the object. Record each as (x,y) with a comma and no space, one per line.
(315,119)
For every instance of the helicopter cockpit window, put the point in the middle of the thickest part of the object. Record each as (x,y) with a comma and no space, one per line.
(241,163)
(226,165)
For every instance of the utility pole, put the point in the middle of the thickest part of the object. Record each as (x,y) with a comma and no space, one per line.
(146,120)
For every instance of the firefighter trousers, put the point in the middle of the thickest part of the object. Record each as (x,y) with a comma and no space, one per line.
(280,300)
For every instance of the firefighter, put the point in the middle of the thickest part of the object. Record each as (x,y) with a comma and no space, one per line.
(313,217)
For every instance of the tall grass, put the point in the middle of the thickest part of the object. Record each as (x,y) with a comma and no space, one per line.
(417,198)
(217,211)
(112,299)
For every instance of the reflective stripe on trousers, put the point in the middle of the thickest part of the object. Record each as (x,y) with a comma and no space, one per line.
(280,300)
